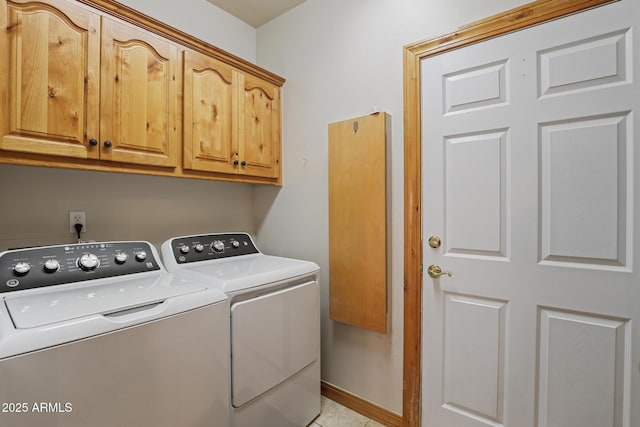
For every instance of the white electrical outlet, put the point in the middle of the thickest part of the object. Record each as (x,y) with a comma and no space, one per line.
(78,217)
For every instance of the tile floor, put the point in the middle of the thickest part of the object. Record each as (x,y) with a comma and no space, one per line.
(335,415)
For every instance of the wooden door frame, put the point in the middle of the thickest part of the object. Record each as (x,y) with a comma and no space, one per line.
(522,17)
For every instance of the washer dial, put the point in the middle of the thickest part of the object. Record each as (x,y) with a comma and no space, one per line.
(51,266)
(88,262)
(141,256)
(21,268)
(121,258)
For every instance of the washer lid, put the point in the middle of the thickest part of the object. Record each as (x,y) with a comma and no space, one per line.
(108,296)
(244,272)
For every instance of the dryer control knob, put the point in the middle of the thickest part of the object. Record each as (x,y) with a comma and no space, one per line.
(217,246)
(51,266)
(235,244)
(88,262)
(121,258)
(184,249)
(199,247)
(141,256)
(21,268)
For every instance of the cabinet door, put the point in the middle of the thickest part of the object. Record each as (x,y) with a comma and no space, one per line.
(210,115)
(138,97)
(49,75)
(260,144)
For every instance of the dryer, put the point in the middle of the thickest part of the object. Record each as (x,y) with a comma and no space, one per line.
(101,334)
(274,325)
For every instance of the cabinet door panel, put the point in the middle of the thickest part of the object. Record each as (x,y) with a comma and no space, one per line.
(210,114)
(260,138)
(138,96)
(50,76)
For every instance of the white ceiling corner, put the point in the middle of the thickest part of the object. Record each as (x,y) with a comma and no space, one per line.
(256,12)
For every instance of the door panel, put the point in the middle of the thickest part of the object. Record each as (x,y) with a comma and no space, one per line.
(260,137)
(582,364)
(584,191)
(475,194)
(273,337)
(528,178)
(52,66)
(138,96)
(210,114)
(474,368)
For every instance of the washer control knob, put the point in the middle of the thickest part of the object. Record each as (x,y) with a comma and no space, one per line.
(88,262)
(51,266)
(21,268)
(184,249)
(235,244)
(121,258)
(141,256)
(199,247)
(217,246)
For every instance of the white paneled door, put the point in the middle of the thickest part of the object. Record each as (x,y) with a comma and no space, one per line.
(531,179)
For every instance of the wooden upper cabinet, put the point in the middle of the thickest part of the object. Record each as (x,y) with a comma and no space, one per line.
(210,134)
(231,120)
(49,76)
(138,96)
(93,84)
(62,97)
(260,145)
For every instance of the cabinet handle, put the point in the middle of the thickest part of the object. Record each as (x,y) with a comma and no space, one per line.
(243,163)
(107,144)
(93,142)
(235,162)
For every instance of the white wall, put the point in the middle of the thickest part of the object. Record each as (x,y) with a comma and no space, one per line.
(203,20)
(341,59)
(36,201)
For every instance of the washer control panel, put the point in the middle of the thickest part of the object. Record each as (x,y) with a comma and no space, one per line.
(56,265)
(211,246)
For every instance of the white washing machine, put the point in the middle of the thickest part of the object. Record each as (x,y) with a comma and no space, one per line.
(275,325)
(101,335)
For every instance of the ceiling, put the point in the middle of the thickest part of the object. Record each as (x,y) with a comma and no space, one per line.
(256,12)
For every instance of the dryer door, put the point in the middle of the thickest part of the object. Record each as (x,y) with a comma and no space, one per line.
(273,336)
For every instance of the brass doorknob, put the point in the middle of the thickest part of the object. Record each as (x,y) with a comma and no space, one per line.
(435,271)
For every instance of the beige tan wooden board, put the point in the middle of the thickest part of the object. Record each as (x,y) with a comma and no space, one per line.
(357,222)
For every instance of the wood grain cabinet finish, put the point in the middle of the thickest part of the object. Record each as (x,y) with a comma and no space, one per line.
(81,88)
(210,135)
(49,75)
(138,96)
(87,87)
(231,120)
(260,145)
